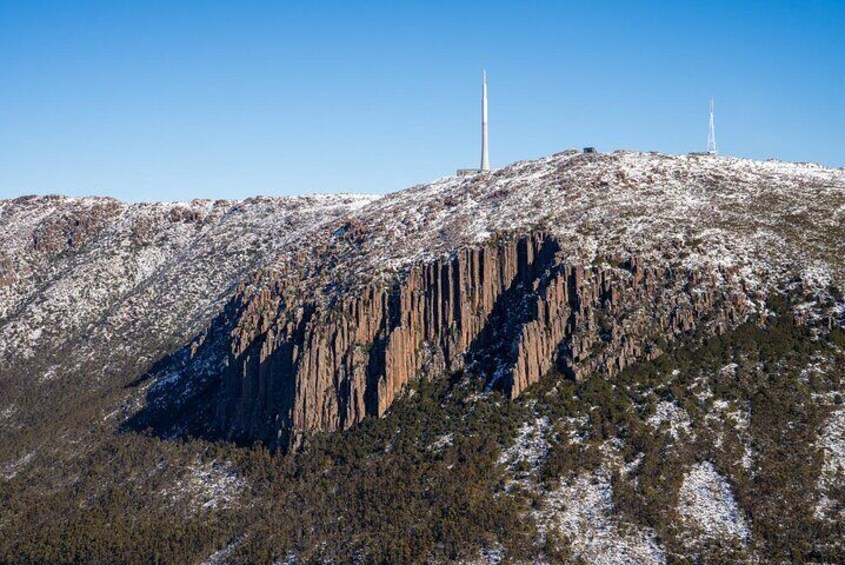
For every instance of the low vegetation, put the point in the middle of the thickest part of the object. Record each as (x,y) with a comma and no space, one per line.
(425,483)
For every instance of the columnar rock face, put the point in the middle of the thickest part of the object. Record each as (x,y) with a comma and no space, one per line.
(271,318)
(511,311)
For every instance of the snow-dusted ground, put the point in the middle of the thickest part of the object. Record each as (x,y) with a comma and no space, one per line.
(832,442)
(581,510)
(10,470)
(221,556)
(207,485)
(739,419)
(132,278)
(8,412)
(674,417)
(224,556)
(707,506)
(719,210)
(442,442)
(487,556)
(530,448)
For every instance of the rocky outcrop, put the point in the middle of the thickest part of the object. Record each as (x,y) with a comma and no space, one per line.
(511,312)
(620,254)
(73,229)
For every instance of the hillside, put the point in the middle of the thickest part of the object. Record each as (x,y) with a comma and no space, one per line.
(94,289)
(579,263)
(616,358)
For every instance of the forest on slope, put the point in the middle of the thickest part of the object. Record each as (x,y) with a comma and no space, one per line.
(723,448)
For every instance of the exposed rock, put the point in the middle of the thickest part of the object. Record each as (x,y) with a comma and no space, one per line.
(73,229)
(512,311)
(93,292)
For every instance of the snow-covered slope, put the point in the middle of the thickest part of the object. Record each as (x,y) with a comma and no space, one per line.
(93,286)
(768,217)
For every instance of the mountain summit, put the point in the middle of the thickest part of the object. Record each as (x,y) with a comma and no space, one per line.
(516,305)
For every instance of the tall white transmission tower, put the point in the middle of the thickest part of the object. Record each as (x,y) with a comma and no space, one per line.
(711,133)
(485,159)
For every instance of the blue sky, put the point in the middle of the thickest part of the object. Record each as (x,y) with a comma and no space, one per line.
(154,100)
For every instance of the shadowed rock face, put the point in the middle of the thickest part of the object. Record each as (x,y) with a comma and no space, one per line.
(511,312)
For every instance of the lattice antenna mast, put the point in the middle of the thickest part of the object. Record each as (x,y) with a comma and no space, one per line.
(711,133)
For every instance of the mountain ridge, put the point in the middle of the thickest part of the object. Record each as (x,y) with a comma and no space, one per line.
(398,270)
(605,357)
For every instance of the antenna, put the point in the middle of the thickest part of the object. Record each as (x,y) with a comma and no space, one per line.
(485,160)
(711,133)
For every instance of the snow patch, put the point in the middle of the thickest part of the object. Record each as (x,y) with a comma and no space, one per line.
(488,556)
(832,443)
(208,485)
(707,506)
(530,447)
(222,556)
(10,470)
(581,510)
(674,416)
(442,442)
(8,412)
(739,419)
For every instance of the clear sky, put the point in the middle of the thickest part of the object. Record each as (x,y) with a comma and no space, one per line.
(156,100)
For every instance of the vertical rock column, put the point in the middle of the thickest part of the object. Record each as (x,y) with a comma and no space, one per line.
(515,311)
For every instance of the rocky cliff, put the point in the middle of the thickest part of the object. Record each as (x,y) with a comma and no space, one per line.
(511,312)
(93,291)
(575,264)
(272,318)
